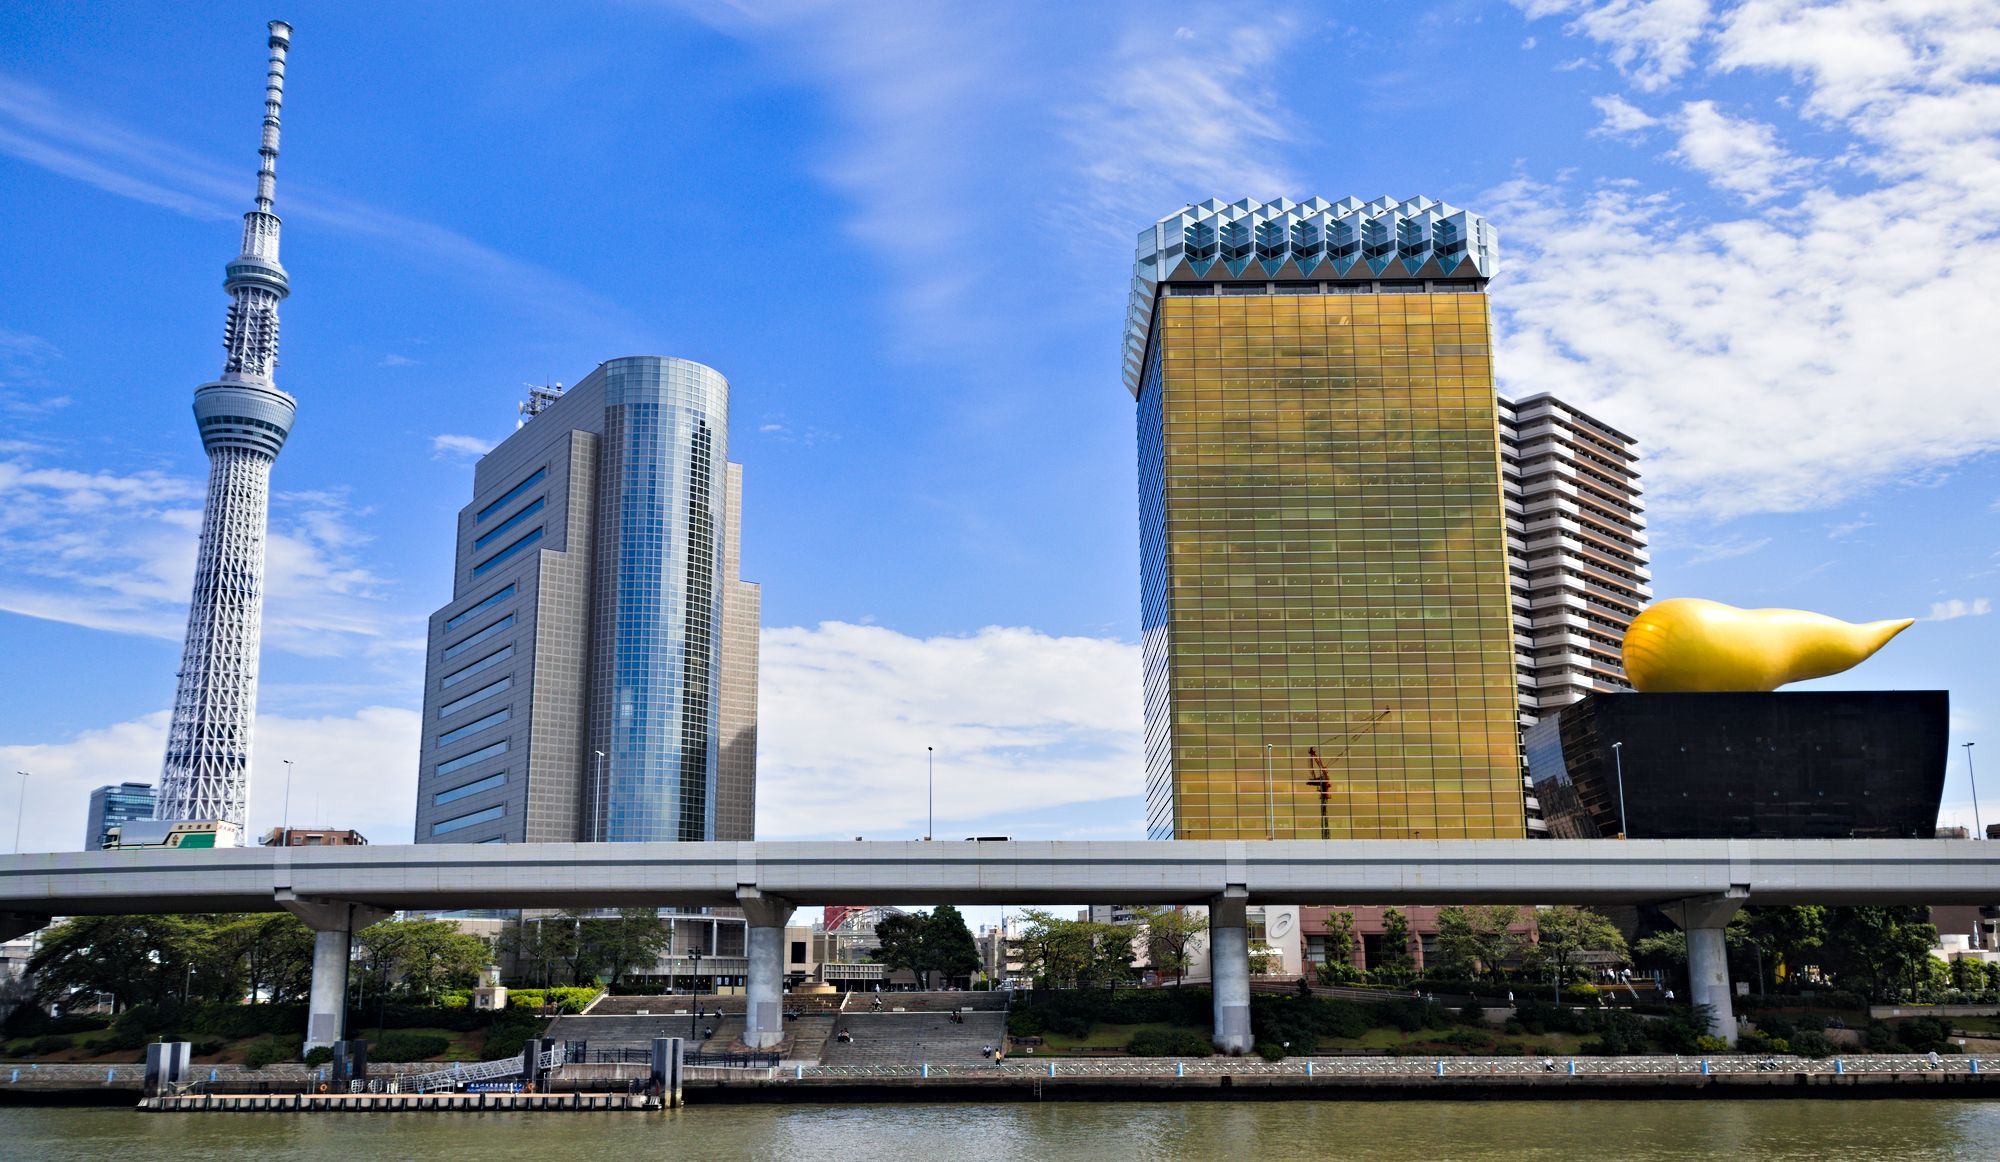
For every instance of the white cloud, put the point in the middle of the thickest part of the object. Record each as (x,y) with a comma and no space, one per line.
(1621,117)
(116,552)
(1022,722)
(1846,529)
(1651,41)
(394,360)
(356,770)
(1734,154)
(1794,358)
(465,447)
(1958,607)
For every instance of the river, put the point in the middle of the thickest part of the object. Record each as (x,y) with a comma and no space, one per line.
(1882,1130)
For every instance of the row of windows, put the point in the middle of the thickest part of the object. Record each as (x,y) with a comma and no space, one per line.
(465,760)
(461,733)
(460,618)
(246,421)
(446,826)
(496,531)
(463,790)
(485,663)
(479,695)
(510,494)
(486,633)
(503,555)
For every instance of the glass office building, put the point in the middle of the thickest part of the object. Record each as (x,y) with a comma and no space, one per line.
(113,805)
(1328,645)
(576,682)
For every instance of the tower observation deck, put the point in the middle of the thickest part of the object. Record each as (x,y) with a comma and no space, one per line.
(243,419)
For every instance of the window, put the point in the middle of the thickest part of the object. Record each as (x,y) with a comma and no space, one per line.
(479,695)
(465,760)
(449,825)
(458,619)
(513,492)
(507,552)
(471,788)
(487,662)
(457,648)
(472,728)
(489,535)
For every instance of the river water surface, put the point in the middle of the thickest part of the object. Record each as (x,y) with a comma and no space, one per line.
(1887,1129)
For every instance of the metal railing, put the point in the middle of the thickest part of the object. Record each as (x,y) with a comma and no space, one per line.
(1413,1068)
(462,1075)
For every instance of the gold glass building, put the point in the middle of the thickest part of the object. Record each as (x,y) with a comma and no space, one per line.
(1328,636)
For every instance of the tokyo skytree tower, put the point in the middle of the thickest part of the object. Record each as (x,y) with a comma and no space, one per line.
(244,420)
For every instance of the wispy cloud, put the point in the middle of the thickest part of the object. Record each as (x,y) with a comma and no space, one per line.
(1652,42)
(1847,528)
(116,552)
(394,360)
(1621,117)
(1183,116)
(450,447)
(46,130)
(1958,607)
(1735,154)
(1726,549)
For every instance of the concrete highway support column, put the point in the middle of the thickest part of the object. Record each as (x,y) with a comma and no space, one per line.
(334,924)
(1229,971)
(764,1008)
(1708,957)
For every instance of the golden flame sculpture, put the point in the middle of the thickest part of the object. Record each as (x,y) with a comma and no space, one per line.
(1686,645)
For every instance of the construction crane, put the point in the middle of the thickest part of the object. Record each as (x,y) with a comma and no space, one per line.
(1323,778)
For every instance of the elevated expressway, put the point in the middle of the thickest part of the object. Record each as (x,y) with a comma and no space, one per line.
(336,890)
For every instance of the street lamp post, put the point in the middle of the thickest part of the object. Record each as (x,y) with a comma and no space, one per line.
(930,793)
(285,823)
(20,805)
(1978,832)
(1618,759)
(597,793)
(694,1012)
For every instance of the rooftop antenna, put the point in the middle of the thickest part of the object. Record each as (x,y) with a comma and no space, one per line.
(538,401)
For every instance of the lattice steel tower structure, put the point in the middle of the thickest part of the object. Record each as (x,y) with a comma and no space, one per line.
(244,420)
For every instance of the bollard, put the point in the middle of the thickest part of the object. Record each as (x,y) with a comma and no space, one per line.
(211,1074)
(1180,1069)
(1839,1066)
(1052,1069)
(1572,1067)
(1440,1065)
(1975,1065)
(1309,1067)
(16,1078)
(1704,1067)
(799,1072)
(927,1069)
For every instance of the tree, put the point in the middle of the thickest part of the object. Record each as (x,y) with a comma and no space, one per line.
(1171,936)
(1337,961)
(949,949)
(632,939)
(419,958)
(1059,951)
(133,959)
(1566,931)
(1879,951)
(1477,940)
(901,941)
(1398,963)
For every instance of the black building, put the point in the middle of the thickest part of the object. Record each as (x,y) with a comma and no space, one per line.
(1786,765)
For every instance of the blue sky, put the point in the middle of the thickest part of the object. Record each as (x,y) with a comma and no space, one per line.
(1763,237)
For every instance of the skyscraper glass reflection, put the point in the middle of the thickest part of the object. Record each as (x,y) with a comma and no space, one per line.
(1328,645)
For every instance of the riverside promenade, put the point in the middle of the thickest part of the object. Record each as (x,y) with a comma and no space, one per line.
(1212,1078)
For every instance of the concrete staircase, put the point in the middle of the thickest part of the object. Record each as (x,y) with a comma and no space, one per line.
(916,1038)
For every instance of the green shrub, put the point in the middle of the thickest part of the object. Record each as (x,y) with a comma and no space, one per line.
(1708,1044)
(509,1032)
(406,1046)
(1468,1039)
(207,1048)
(1811,1043)
(1169,1043)
(1472,1013)
(31,1021)
(53,1043)
(319,1055)
(1271,1051)
(269,1051)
